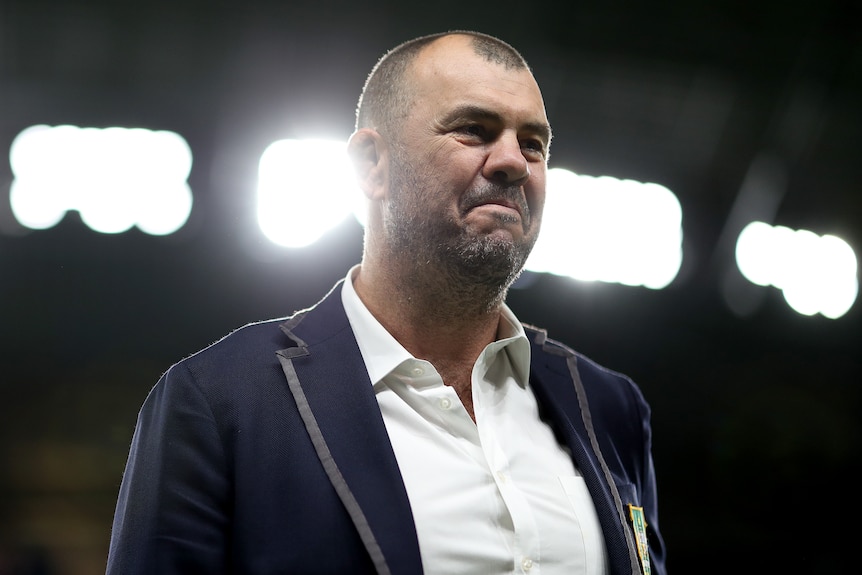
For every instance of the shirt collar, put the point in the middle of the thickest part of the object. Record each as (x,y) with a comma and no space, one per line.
(382,353)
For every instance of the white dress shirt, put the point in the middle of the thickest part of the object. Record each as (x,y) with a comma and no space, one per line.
(496,496)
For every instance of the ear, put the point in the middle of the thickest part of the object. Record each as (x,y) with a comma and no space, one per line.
(369,155)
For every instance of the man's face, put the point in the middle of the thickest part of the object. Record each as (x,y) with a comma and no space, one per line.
(467,184)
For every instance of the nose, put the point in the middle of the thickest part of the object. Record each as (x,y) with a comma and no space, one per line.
(506,162)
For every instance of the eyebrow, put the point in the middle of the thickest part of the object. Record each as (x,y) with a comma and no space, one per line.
(470,111)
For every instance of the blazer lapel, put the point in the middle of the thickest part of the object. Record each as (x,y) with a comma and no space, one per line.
(328,379)
(551,378)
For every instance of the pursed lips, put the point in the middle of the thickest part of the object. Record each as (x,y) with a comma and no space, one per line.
(519,207)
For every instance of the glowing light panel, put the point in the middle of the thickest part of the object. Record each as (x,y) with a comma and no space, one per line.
(610,230)
(305,188)
(115,178)
(816,274)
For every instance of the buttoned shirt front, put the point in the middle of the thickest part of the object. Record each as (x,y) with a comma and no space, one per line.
(500,495)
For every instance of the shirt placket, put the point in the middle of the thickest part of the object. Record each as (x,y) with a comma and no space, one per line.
(525,545)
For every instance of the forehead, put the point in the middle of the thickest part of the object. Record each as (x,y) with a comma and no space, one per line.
(449,73)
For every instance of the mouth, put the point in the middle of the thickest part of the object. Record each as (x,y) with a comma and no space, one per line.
(506,204)
(506,212)
(503,208)
(502,202)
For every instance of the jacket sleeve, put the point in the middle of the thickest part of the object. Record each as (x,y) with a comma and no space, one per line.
(172,509)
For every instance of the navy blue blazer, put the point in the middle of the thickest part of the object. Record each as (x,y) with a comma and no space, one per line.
(267,453)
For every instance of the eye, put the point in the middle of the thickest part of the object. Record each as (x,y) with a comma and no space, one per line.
(534,147)
(474,130)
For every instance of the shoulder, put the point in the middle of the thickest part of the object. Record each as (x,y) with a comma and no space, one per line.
(605,388)
(243,358)
(230,383)
(245,362)
(552,351)
(249,343)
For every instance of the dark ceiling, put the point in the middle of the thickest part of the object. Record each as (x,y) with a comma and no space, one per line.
(755,407)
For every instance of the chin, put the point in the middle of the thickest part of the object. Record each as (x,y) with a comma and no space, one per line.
(496,253)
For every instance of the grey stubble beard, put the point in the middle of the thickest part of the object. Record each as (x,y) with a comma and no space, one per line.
(456,271)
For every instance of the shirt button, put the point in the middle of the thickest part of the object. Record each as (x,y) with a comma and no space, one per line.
(445,403)
(418,371)
(526,563)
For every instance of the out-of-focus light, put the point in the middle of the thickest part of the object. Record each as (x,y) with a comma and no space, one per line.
(115,178)
(305,188)
(816,274)
(610,230)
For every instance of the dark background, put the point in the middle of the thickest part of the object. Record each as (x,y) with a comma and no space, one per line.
(756,408)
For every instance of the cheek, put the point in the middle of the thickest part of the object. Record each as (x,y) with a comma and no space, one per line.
(535,193)
(458,164)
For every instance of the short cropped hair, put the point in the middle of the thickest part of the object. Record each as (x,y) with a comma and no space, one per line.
(387,96)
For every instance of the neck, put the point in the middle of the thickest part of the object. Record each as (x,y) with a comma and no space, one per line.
(433,315)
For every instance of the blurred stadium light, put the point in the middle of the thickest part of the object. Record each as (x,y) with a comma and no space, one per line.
(114,177)
(594,228)
(610,230)
(816,274)
(305,188)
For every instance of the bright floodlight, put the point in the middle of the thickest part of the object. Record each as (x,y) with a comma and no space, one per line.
(115,178)
(305,188)
(817,274)
(609,230)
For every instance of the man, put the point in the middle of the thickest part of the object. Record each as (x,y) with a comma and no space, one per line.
(407,423)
